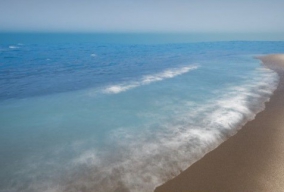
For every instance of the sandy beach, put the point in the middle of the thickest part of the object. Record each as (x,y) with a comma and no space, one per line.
(252,160)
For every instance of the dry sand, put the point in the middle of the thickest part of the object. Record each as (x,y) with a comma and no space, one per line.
(250,161)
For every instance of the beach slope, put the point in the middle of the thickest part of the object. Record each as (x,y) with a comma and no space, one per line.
(251,160)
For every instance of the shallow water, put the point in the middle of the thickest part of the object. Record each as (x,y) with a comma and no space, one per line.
(81,116)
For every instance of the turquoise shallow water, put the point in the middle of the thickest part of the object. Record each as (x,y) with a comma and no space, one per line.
(87,116)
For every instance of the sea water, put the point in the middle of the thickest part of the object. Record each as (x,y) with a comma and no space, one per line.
(83,115)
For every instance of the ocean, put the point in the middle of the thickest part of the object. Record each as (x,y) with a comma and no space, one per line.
(105,113)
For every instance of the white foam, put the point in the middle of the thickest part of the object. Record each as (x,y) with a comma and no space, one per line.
(114,89)
(93,55)
(167,74)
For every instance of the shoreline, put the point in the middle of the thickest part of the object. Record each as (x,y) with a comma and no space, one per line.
(251,160)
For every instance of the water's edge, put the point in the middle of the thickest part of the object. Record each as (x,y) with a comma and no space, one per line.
(280,72)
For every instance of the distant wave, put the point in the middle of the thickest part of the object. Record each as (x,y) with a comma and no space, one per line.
(147,79)
(13,47)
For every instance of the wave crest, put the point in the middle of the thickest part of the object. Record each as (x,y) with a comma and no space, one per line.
(147,79)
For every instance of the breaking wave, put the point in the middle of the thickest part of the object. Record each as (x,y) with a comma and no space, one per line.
(140,162)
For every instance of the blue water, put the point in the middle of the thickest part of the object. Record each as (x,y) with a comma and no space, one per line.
(102,116)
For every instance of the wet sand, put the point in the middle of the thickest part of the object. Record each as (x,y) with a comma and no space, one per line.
(250,161)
